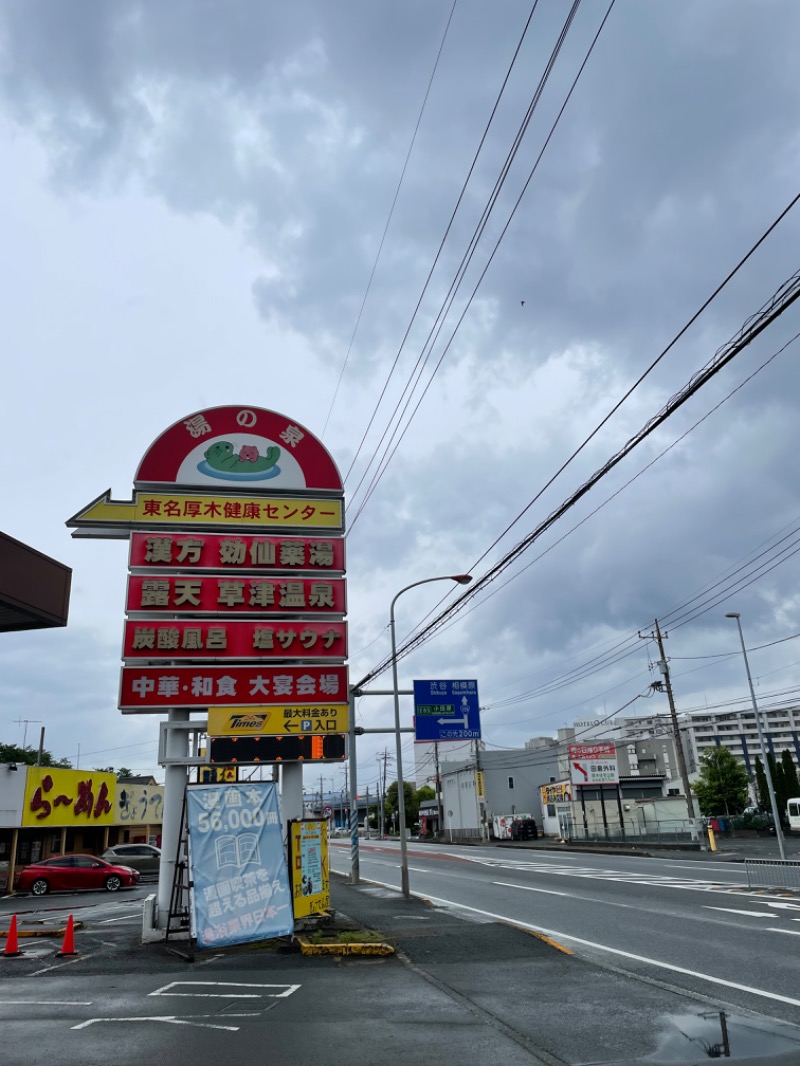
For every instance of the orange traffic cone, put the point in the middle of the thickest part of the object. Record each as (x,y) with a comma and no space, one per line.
(68,947)
(12,947)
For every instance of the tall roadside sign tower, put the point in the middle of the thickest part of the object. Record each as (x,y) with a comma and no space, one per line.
(236,598)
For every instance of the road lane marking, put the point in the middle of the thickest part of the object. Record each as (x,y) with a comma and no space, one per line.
(166,990)
(46,1002)
(791,932)
(122,919)
(170,1019)
(732,910)
(529,888)
(623,954)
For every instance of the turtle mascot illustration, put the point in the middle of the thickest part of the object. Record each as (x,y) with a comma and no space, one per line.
(222,457)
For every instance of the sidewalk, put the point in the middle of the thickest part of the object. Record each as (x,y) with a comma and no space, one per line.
(533,996)
(730,848)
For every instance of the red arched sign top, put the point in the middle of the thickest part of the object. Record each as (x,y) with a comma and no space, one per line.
(246,448)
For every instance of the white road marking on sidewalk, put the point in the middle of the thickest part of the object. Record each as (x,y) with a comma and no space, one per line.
(615,951)
(166,990)
(732,910)
(170,1019)
(46,1002)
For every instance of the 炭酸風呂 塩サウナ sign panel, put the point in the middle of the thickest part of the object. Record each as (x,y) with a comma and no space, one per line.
(225,639)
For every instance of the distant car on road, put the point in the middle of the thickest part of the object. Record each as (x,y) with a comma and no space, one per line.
(145,858)
(340,831)
(66,873)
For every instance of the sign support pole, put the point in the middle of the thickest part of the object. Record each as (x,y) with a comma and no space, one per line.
(175,778)
(603,808)
(619,808)
(355,871)
(292,792)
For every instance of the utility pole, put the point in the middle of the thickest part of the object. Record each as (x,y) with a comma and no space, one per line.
(663,666)
(439,807)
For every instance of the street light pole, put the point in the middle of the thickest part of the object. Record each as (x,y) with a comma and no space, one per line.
(767,772)
(461,579)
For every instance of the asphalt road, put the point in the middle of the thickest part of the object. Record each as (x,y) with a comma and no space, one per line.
(692,924)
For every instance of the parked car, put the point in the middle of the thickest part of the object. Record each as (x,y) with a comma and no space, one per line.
(66,873)
(340,831)
(146,858)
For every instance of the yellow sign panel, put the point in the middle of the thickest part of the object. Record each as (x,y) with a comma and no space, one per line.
(139,804)
(308,853)
(55,797)
(278,721)
(559,792)
(215,775)
(158,509)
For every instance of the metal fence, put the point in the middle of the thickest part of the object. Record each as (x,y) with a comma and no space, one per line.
(614,834)
(667,831)
(772,873)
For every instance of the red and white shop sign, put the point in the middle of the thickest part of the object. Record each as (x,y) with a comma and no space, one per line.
(154,688)
(221,596)
(235,640)
(247,448)
(213,551)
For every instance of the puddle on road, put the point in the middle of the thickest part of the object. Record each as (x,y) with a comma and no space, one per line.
(712,1033)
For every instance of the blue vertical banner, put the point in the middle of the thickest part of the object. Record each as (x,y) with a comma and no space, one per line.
(237,863)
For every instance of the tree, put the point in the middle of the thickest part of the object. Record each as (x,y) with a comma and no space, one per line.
(722,788)
(424,793)
(791,783)
(762,789)
(124,771)
(776,771)
(28,757)
(411,803)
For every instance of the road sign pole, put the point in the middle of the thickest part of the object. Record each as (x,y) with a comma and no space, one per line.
(355,873)
(461,579)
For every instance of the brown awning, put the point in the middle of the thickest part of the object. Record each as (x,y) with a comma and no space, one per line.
(34,589)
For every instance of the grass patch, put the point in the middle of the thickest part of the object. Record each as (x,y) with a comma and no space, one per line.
(344,936)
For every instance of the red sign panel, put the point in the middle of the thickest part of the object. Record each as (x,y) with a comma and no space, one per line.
(240,446)
(242,595)
(592,751)
(212,551)
(235,640)
(154,688)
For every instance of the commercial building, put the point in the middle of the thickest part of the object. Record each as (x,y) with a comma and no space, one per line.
(48,811)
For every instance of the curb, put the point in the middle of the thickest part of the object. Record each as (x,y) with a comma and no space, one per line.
(31,934)
(307,948)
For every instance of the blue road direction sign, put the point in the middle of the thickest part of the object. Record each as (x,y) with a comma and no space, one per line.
(446,710)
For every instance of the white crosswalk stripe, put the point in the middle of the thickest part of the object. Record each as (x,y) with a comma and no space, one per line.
(595,874)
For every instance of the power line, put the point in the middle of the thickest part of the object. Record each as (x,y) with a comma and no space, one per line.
(388,456)
(391,214)
(786,295)
(441,244)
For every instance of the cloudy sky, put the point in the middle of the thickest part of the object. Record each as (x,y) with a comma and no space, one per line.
(198,210)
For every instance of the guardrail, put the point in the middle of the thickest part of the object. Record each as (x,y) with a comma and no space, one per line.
(772,873)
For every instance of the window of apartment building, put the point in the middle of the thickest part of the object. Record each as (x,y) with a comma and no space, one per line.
(511,782)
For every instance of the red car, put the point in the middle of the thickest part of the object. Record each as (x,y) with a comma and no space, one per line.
(65,873)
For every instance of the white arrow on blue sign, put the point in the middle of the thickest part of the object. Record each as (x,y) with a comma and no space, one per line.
(446,710)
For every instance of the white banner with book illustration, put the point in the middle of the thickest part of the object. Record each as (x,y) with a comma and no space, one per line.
(237,863)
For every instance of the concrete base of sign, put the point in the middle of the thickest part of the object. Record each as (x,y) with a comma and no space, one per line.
(151,933)
(376,948)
